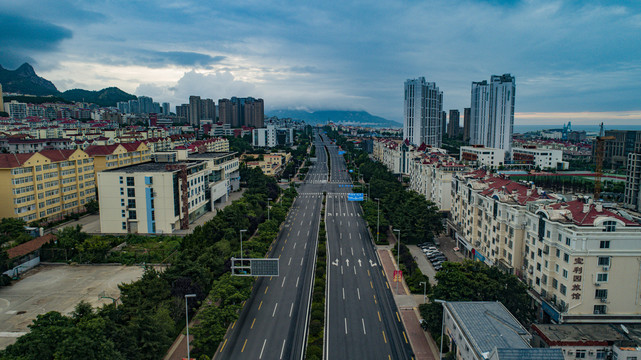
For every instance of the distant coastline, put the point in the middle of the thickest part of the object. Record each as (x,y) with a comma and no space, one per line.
(587,128)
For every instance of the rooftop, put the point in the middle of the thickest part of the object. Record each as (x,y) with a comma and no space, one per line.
(526,354)
(212,155)
(578,334)
(152,167)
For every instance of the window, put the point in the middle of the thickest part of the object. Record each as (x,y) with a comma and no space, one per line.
(609,226)
(566,257)
(560,237)
(567,241)
(540,252)
(538,266)
(600,354)
(124,225)
(565,274)
(131,192)
(604,244)
(603,261)
(601,294)
(131,203)
(599,309)
(558,253)
(602,277)
(562,289)
(580,354)
(130,181)
(120,179)
(132,214)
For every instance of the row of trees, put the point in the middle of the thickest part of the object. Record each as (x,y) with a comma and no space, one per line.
(152,309)
(317,320)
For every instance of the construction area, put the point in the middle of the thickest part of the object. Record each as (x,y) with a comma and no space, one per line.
(58,288)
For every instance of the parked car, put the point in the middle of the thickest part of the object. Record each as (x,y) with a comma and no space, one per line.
(438,258)
(434,255)
(432,248)
(438,267)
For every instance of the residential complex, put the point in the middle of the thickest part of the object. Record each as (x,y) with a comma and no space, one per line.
(453,126)
(617,150)
(271,136)
(423,113)
(544,159)
(492,112)
(481,156)
(47,184)
(632,194)
(576,256)
(271,164)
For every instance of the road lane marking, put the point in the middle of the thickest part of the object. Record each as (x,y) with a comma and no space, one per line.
(282,349)
(243,349)
(379,316)
(290,309)
(283,248)
(358,291)
(260,305)
(387,284)
(368,274)
(341,250)
(267,288)
(253,322)
(354,270)
(298,278)
(294,245)
(363,320)
(283,284)
(262,349)
(405,337)
(234,324)
(301,261)
(341,269)
(307,232)
(225,343)
(384,338)
(370,284)
(298,233)
(345,325)
(360,236)
(305,247)
(343,293)
(399,319)
(290,261)
(363,250)
(274,312)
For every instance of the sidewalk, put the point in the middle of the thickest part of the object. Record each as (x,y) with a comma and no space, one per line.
(422,343)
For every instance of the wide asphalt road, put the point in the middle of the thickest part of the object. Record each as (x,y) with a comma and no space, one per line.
(273,324)
(362,321)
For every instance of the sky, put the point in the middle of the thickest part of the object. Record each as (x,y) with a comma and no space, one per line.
(576,61)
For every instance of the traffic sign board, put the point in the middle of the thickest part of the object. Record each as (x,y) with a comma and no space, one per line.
(355,197)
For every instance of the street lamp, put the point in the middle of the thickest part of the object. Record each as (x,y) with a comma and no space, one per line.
(442,302)
(241,243)
(368,194)
(424,283)
(398,255)
(187,296)
(378,218)
(268,208)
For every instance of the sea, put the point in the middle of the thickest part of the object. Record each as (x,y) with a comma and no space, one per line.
(590,129)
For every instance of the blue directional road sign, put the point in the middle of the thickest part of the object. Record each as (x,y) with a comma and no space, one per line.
(355,197)
(351,171)
(341,152)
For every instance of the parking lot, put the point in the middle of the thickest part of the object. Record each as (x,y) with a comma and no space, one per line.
(57,288)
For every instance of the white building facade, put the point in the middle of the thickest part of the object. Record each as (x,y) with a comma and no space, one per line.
(422,113)
(482,156)
(545,159)
(492,112)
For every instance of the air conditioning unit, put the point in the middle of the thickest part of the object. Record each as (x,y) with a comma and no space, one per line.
(597,284)
(606,268)
(604,300)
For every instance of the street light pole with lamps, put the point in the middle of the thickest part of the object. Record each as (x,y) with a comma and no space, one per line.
(241,243)
(442,302)
(398,255)
(268,208)
(187,296)
(424,283)
(378,218)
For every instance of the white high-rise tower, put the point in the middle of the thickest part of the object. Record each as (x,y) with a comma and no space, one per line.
(422,112)
(492,112)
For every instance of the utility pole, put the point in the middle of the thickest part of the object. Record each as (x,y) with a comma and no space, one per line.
(398,255)
(268,208)
(378,218)
(187,296)
(241,244)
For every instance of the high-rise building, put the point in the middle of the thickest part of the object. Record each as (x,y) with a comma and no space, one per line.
(195,110)
(632,195)
(1,99)
(134,107)
(145,104)
(123,107)
(166,108)
(239,112)
(443,123)
(208,109)
(617,150)
(492,112)
(453,126)
(422,112)
(466,124)
(182,111)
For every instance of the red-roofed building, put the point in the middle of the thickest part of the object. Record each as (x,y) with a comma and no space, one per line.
(26,256)
(579,259)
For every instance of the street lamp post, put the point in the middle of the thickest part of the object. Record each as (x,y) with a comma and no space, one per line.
(268,208)
(241,243)
(398,255)
(424,283)
(442,302)
(378,217)
(187,296)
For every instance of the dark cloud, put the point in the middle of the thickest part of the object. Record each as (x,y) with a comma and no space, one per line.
(24,37)
(183,58)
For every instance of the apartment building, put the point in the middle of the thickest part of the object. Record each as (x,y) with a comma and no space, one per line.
(118,155)
(577,257)
(632,194)
(479,155)
(431,176)
(45,185)
(271,164)
(271,136)
(224,167)
(544,159)
(153,197)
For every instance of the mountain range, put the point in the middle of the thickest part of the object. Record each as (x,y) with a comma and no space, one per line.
(24,80)
(344,117)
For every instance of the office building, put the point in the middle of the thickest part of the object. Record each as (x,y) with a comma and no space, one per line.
(166,108)
(466,123)
(422,112)
(492,112)
(453,125)
(486,330)
(45,185)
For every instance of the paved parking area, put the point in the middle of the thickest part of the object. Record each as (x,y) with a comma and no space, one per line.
(57,288)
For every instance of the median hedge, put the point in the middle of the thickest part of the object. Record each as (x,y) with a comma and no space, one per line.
(317,318)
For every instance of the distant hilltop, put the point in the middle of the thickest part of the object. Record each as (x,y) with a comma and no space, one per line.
(345,117)
(24,80)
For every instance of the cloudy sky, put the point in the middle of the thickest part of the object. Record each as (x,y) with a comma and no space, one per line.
(573,60)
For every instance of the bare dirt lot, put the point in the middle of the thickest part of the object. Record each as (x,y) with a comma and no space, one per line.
(57,288)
